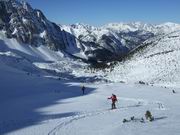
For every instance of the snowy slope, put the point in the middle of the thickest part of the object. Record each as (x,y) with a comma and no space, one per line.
(22,95)
(41,88)
(34,102)
(156,63)
(34,105)
(38,60)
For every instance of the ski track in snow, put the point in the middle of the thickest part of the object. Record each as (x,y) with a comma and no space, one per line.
(78,117)
(69,120)
(5,125)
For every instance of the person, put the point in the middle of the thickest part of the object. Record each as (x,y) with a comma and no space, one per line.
(114,99)
(149,116)
(83,89)
(173,91)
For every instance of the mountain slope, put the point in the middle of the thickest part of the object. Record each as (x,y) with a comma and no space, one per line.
(114,40)
(40,61)
(158,63)
(32,105)
(20,21)
(106,43)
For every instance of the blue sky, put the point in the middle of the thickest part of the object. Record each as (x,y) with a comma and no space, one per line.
(100,12)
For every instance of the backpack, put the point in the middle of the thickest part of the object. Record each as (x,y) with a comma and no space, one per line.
(115,98)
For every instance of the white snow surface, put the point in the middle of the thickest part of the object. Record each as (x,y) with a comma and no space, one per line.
(156,64)
(34,105)
(31,59)
(40,52)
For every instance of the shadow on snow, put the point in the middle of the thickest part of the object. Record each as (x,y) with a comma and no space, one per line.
(22,96)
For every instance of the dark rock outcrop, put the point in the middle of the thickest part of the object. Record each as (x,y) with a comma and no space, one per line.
(29,25)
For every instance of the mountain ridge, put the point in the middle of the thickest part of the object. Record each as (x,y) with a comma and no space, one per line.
(106,43)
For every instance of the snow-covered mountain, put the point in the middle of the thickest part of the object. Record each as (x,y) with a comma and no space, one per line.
(20,21)
(40,61)
(114,40)
(107,43)
(157,29)
(157,62)
(29,26)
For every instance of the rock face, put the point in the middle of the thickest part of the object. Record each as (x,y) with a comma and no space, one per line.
(29,25)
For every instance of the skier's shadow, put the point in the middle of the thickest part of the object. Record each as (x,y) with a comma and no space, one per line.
(131,106)
(159,118)
(138,105)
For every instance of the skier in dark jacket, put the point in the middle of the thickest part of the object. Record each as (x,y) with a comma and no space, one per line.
(83,89)
(114,99)
(149,116)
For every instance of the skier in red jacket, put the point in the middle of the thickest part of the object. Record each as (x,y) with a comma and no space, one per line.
(114,99)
